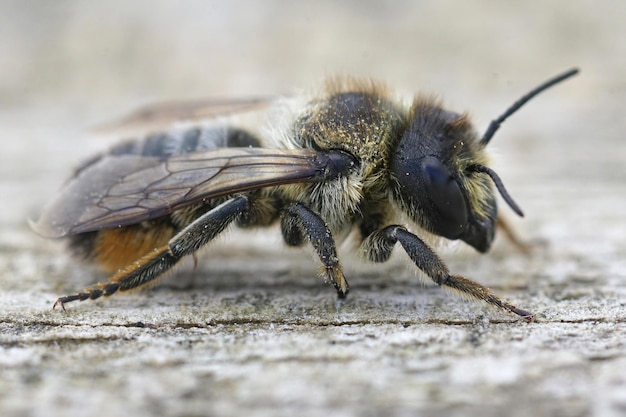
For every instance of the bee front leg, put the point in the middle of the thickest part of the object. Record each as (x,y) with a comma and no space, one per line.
(193,237)
(299,221)
(379,244)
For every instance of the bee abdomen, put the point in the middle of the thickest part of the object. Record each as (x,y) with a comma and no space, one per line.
(113,249)
(180,141)
(167,144)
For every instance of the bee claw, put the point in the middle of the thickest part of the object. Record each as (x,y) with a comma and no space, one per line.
(57,303)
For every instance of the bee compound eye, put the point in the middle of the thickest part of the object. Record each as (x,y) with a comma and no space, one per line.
(449,216)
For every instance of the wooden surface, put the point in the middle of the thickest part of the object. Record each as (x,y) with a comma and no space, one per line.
(252,330)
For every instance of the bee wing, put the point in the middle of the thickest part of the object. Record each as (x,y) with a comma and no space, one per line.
(159,115)
(120,190)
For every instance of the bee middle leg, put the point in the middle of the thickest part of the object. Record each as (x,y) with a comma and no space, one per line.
(299,221)
(193,237)
(379,244)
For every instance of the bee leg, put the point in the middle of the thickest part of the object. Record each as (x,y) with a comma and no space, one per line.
(196,235)
(524,246)
(378,247)
(299,221)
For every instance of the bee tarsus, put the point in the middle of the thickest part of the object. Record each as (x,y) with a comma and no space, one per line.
(300,221)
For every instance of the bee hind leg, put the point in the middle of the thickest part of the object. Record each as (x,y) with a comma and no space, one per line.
(379,244)
(193,237)
(298,222)
(526,247)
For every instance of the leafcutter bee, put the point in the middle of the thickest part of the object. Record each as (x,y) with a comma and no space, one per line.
(353,159)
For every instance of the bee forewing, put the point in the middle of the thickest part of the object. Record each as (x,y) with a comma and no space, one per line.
(126,189)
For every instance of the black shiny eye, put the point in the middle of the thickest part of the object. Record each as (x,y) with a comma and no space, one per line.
(447,202)
(433,192)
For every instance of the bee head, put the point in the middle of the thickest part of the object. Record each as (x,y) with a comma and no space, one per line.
(441,177)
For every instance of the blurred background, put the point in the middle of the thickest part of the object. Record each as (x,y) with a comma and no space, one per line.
(143,50)
(66,66)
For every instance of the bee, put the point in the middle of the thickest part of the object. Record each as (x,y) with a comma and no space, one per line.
(352,160)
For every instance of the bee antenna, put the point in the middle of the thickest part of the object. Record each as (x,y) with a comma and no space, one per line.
(495,124)
(499,185)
